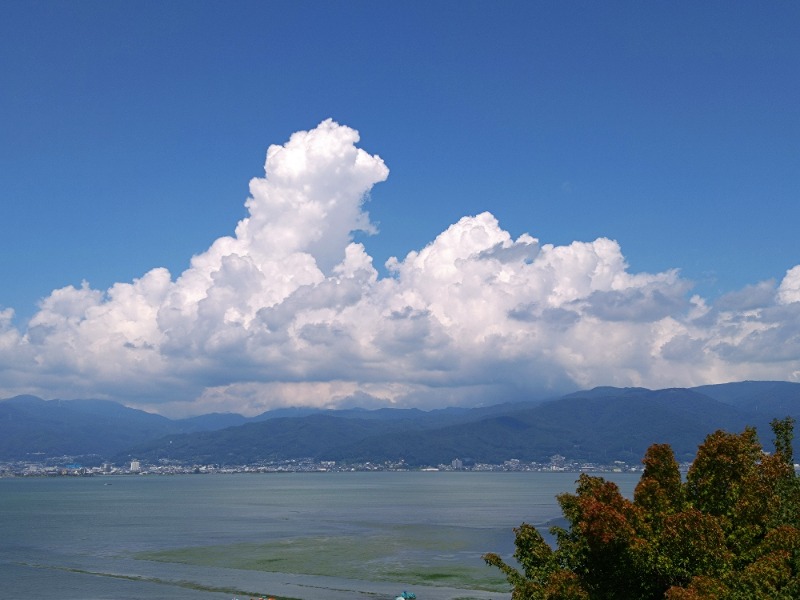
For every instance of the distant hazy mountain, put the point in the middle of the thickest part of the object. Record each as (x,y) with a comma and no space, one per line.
(602,424)
(765,398)
(211,422)
(32,427)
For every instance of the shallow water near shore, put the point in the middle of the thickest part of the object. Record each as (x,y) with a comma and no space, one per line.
(300,535)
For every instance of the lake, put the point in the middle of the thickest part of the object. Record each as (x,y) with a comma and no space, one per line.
(312,536)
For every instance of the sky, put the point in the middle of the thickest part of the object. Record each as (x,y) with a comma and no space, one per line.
(236,207)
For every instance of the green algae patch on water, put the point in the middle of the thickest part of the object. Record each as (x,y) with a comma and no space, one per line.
(407,559)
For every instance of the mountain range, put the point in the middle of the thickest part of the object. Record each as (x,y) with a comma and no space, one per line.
(601,425)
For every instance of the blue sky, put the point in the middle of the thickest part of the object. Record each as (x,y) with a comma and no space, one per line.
(131,130)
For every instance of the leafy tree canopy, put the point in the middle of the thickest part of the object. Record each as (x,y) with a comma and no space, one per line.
(730,531)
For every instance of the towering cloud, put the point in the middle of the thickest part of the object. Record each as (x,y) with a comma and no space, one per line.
(289,311)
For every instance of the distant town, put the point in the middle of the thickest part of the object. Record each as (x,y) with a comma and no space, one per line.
(69,467)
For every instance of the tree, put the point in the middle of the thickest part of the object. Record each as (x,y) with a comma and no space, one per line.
(730,531)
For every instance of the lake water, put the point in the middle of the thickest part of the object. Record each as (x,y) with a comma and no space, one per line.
(315,536)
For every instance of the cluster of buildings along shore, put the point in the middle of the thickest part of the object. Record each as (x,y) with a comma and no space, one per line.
(66,466)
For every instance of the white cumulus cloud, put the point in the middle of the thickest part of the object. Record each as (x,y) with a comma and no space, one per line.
(789,290)
(288,310)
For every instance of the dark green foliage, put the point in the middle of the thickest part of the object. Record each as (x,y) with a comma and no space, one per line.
(731,531)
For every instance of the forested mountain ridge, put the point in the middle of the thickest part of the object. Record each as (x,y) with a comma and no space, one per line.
(602,424)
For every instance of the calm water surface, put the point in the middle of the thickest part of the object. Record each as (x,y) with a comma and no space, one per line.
(83,538)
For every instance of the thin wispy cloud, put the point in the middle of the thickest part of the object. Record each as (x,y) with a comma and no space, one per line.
(289,310)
